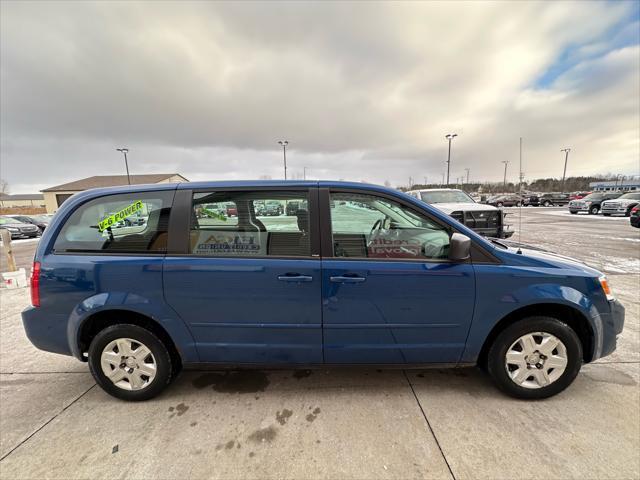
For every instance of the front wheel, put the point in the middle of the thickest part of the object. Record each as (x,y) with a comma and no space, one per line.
(547,203)
(536,357)
(129,362)
(573,212)
(594,210)
(499,204)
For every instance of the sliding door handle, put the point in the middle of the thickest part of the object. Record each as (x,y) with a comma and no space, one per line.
(343,279)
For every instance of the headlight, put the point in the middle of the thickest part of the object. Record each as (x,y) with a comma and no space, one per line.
(604,283)
(12,229)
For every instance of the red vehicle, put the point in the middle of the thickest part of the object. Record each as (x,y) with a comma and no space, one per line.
(232,210)
(578,195)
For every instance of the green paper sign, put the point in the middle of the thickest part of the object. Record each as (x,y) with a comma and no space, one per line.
(118,216)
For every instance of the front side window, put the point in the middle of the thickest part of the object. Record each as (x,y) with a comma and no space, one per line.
(367,226)
(248,224)
(131,222)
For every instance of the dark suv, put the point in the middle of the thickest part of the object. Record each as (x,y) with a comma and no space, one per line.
(591,203)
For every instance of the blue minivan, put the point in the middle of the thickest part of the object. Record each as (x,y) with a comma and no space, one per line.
(355,274)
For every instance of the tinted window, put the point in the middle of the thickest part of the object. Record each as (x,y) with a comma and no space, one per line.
(374,227)
(630,196)
(250,224)
(131,222)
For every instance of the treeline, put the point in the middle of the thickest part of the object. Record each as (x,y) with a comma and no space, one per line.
(571,184)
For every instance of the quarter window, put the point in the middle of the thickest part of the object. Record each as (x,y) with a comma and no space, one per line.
(249,224)
(131,222)
(367,226)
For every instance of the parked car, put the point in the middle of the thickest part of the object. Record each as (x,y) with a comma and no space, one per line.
(399,283)
(39,222)
(506,201)
(487,220)
(232,210)
(293,207)
(273,208)
(634,218)
(578,195)
(19,229)
(591,203)
(621,205)
(553,199)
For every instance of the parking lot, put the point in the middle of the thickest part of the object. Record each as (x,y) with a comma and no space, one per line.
(335,423)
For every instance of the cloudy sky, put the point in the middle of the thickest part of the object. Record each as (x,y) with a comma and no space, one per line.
(361,91)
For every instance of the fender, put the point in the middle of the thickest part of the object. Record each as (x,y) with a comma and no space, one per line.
(495,302)
(131,302)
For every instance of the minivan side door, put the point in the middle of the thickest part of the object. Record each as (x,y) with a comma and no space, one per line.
(390,295)
(245,280)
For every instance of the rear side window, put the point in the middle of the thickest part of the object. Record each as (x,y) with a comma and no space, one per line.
(127,223)
(249,224)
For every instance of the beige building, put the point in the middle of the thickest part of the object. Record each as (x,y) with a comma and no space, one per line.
(55,196)
(20,200)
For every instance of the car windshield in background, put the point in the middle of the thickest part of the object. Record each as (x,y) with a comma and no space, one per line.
(446,196)
(6,221)
(630,196)
(594,196)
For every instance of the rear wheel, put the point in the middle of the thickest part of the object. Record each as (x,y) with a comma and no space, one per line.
(628,212)
(547,203)
(594,210)
(573,213)
(606,214)
(536,357)
(499,204)
(129,362)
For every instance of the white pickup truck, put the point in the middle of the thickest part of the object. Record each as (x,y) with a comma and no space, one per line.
(484,219)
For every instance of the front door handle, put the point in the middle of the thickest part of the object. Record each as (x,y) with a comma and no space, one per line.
(343,279)
(295,277)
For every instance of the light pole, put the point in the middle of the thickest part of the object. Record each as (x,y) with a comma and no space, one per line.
(304,173)
(467,169)
(449,136)
(564,173)
(284,144)
(126,163)
(504,185)
(442,179)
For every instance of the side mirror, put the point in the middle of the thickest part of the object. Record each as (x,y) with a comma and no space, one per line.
(459,247)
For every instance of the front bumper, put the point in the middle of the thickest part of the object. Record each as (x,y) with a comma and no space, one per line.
(612,326)
(614,211)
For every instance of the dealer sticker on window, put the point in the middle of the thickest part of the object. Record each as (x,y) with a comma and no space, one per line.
(114,218)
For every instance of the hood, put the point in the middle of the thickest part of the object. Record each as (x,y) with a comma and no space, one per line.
(544,259)
(623,201)
(15,224)
(466,207)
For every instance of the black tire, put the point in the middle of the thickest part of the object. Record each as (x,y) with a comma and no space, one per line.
(164,367)
(497,353)
(573,213)
(606,214)
(499,204)
(518,204)
(546,204)
(594,210)
(628,212)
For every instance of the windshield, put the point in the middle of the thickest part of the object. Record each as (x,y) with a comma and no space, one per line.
(594,196)
(446,196)
(6,221)
(630,196)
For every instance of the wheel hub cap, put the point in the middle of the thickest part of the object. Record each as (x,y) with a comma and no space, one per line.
(129,364)
(536,360)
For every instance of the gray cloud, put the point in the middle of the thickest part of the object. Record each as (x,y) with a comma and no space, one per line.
(362,91)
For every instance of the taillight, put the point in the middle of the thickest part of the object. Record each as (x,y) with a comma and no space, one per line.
(635,209)
(35,284)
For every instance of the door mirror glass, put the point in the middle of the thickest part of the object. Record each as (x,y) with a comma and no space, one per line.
(459,247)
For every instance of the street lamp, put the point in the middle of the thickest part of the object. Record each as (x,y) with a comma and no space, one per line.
(284,144)
(126,163)
(504,186)
(564,173)
(449,136)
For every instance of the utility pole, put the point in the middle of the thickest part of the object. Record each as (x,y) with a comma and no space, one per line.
(425,181)
(504,186)
(284,144)
(304,173)
(449,136)
(564,173)
(410,183)
(467,169)
(442,180)
(126,163)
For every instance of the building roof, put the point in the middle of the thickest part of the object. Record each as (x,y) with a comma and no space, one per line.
(99,181)
(27,196)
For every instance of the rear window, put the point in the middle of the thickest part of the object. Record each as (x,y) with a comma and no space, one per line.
(127,223)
